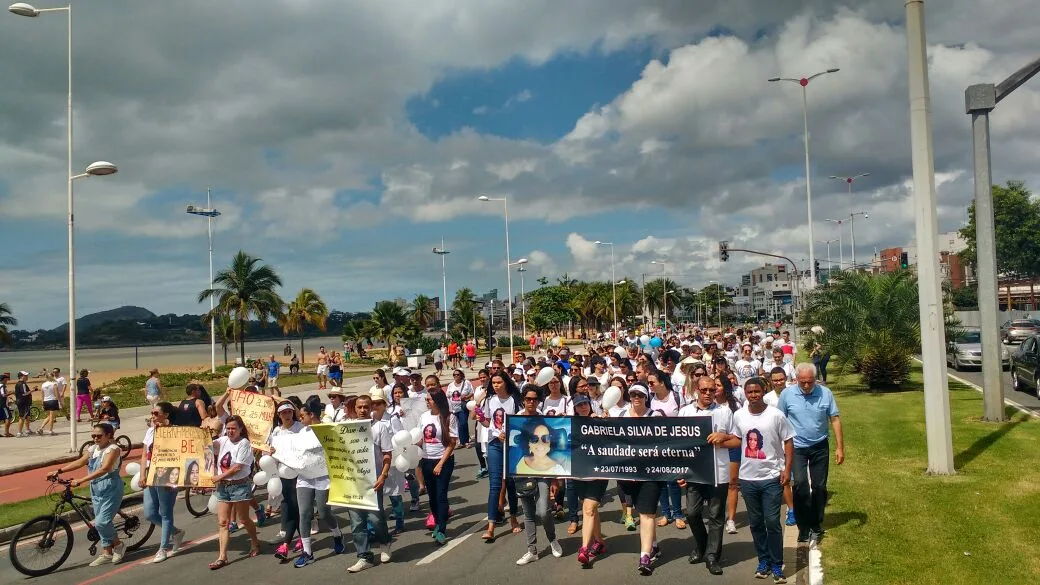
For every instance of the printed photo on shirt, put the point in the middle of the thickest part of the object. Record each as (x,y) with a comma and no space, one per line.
(753,445)
(499,418)
(539,446)
(429,434)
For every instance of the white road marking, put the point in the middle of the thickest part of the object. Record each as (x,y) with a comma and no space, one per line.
(1019,407)
(448,547)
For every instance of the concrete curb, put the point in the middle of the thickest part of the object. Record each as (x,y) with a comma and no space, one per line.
(134,499)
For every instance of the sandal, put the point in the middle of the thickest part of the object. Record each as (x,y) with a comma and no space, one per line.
(662,521)
(218,564)
(488,537)
(517,528)
(680,523)
(255,551)
(572,528)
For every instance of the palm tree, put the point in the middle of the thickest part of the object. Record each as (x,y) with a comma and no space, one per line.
(306,308)
(422,311)
(870,322)
(245,289)
(463,311)
(6,320)
(389,322)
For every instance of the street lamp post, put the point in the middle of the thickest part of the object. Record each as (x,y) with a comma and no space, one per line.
(828,242)
(509,273)
(209,213)
(852,229)
(804,83)
(444,283)
(665,295)
(523,301)
(841,243)
(613,282)
(100,168)
(664,287)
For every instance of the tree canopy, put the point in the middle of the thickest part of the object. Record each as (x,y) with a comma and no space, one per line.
(1016,217)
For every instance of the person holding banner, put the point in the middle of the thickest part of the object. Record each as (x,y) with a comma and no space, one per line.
(644,494)
(288,423)
(591,493)
(536,440)
(314,492)
(712,496)
(363,520)
(394,482)
(159,500)
(234,465)
(440,435)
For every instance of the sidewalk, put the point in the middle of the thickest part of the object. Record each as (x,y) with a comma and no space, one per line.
(25,453)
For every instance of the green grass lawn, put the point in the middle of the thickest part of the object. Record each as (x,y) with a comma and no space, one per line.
(890,523)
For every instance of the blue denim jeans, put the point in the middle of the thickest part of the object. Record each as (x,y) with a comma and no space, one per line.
(462,416)
(360,520)
(437,489)
(158,509)
(670,500)
(496,466)
(762,499)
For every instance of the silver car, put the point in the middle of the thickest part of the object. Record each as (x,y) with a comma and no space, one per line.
(966,351)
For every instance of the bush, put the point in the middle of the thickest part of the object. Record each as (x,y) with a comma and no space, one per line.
(518,342)
(881,368)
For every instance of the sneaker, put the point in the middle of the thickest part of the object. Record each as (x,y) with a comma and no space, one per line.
(261,517)
(282,552)
(778,574)
(160,556)
(646,567)
(556,549)
(482,473)
(303,560)
(585,557)
(101,559)
(384,553)
(790,518)
(118,552)
(299,545)
(281,535)
(337,545)
(655,553)
(731,527)
(232,527)
(360,565)
(630,523)
(178,540)
(439,537)
(762,571)
(598,548)
(414,507)
(529,557)
(803,535)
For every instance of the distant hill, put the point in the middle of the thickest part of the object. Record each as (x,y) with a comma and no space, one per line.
(86,322)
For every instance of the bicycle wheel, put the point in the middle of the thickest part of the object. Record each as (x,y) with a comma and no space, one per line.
(124,444)
(132,529)
(41,545)
(197,501)
(35,413)
(85,447)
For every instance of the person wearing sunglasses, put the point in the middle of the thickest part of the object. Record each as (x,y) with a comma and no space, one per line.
(536,440)
(158,499)
(106,489)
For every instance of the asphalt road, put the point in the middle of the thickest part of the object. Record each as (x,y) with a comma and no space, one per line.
(465,559)
(1025,400)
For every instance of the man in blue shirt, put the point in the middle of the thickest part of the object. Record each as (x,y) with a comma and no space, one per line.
(273,367)
(811,410)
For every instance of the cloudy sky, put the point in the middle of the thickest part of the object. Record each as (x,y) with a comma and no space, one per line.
(344,138)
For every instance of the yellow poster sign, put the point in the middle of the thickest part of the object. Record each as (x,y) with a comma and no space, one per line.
(257,411)
(350,458)
(182,457)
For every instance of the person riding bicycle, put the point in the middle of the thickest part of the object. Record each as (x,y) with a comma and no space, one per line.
(109,412)
(106,489)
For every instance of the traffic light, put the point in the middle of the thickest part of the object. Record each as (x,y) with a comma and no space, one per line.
(816,268)
(904,260)
(723,251)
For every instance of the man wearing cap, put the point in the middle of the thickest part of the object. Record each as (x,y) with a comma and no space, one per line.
(23,403)
(5,410)
(393,485)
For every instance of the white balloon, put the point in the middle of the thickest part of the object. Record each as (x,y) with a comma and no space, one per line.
(261,478)
(479,395)
(556,342)
(472,404)
(544,375)
(135,483)
(212,504)
(274,487)
(414,455)
(401,463)
(269,464)
(133,468)
(611,397)
(416,435)
(401,439)
(644,339)
(620,351)
(286,472)
(238,378)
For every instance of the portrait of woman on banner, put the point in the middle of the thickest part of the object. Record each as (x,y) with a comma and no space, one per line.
(540,446)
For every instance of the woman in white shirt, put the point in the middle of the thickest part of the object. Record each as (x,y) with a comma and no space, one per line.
(159,499)
(288,423)
(481,432)
(460,391)
(644,494)
(234,490)
(440,435)
(505,400)
(314,492)
(51,403)
(536,439)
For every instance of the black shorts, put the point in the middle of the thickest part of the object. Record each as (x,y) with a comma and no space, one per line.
(644,495)
(49,405)
(593,489)
(5,413)
(24,408)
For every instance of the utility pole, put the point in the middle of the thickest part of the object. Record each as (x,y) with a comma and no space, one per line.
(930,302)
(979,101)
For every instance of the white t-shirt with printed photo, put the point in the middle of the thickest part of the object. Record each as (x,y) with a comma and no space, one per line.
(433,434)
(765,461)
(232,453)
(497,409)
